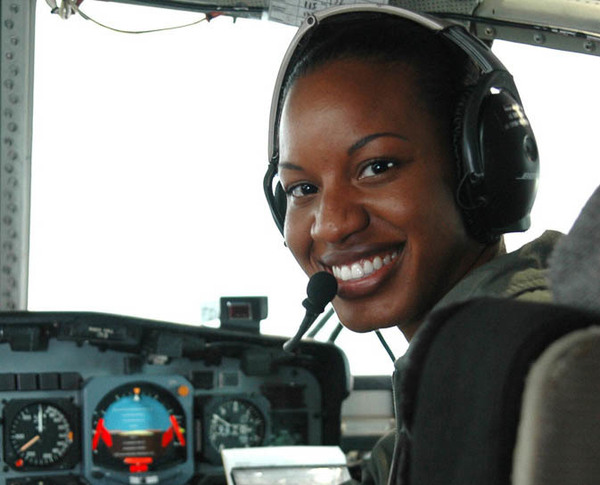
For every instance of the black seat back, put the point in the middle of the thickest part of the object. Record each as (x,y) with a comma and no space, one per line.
(463,383)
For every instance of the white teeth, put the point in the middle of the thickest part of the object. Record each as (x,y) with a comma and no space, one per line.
(357,271)
(345,273)
(377,263)
(360,270)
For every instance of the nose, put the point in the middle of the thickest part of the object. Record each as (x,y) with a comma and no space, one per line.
(339,214)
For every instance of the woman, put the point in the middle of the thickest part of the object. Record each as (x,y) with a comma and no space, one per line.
(403,154)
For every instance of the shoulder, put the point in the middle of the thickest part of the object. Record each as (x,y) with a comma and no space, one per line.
(522,274)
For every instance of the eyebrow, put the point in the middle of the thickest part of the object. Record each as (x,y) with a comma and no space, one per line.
(369,138)
(355,146)
(289,166)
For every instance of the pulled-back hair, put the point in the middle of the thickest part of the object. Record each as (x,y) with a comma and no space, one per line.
(442,69)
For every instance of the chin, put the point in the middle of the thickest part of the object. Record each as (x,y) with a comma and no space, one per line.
(353,320)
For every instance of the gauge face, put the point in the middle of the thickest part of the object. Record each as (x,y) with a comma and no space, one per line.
(39,434)
(139,428)
(235,423)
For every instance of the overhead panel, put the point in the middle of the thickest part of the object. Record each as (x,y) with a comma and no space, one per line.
(571,25)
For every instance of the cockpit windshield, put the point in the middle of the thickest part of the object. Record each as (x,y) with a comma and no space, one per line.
(149,151)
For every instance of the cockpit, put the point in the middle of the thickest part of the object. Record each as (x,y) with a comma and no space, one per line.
(145,293)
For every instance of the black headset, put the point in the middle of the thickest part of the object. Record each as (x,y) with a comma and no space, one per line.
(494,144)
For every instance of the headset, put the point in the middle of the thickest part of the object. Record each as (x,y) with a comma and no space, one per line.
(494,144)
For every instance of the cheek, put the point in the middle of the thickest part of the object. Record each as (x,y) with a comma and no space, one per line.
(296,232)
(445,214)
(430,204)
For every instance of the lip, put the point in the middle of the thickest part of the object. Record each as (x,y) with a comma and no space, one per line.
(363,286)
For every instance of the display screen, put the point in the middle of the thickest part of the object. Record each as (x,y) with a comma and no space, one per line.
(310,475)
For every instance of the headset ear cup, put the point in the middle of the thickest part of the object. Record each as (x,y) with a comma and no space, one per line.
(510,163)
(497,160)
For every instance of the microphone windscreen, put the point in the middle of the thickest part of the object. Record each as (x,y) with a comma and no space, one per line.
(321,289)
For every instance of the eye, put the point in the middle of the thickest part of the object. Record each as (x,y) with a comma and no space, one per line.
(376,167)
(301,190)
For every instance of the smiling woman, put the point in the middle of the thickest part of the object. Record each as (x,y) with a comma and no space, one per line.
(400,149)
(400,155)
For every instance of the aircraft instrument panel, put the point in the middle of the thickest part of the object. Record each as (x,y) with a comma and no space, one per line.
(89,398)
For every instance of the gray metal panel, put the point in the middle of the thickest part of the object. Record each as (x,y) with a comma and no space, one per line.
(568,15)
(432,6)
(570,25)
(16,108)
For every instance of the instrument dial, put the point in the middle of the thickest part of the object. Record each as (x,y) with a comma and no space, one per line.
(39,434)
(139,428)
(234,423)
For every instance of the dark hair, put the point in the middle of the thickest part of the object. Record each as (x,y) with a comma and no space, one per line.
(443,70)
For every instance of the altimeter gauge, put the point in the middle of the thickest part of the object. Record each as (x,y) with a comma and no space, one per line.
(40,434)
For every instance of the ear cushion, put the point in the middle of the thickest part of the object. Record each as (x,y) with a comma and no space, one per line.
(469,197)
(280,203)
(275,195)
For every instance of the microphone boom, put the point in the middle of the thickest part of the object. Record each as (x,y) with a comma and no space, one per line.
(321,289)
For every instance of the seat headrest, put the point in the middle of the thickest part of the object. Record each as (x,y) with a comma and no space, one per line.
(575,262)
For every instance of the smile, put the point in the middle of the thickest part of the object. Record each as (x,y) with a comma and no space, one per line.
(363,268)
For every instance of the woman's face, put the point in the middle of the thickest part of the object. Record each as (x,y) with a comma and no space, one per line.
(369,178)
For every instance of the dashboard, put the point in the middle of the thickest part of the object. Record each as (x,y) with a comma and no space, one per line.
(90,398)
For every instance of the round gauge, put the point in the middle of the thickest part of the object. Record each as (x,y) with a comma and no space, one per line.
(138,428)
(39,434)
(235,423)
